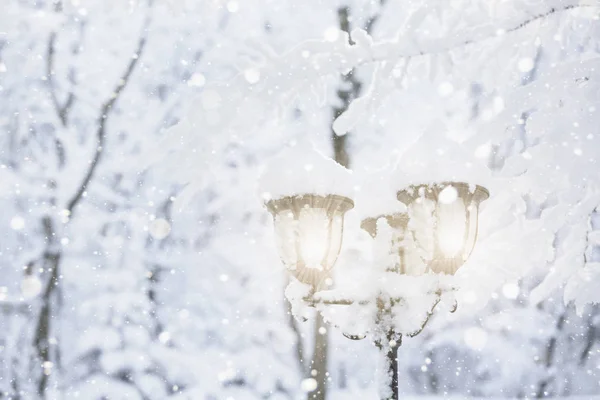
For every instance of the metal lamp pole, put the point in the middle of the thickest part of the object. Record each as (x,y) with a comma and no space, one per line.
(385,337)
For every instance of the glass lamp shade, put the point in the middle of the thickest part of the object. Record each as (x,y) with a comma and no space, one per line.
(443,222)
(308,230)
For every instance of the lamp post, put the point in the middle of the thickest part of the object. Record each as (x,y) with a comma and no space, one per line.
(418,253)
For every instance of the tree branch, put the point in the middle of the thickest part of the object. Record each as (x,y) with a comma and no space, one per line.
(383,51)
(550,353)
(62,110)
(400,47)
(105,112)
(351,86)
(373,20)
(591,336)
(52,254)
(50,77)
(551,11)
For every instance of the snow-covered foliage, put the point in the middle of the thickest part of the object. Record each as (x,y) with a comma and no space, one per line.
(295,74)
(138,262)
(300,170)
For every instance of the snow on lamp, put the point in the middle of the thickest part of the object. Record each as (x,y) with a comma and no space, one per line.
(386,220)
(443,222)
(307,194)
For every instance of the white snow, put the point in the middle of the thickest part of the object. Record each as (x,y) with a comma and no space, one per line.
(434,158)
(169,284)
(300,169)
(376,195)
(582,288)
(17,223)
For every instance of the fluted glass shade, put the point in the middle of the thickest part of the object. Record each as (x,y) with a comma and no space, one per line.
(308,231)
(443,222)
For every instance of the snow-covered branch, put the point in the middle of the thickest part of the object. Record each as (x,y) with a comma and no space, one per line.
(282,78)
(364,50)
(494,28)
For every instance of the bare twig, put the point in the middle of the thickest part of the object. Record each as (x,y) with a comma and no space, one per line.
(399,48)
(520,25)
(52,255)
(373,20)
(550,353)
(591,336)
(50,69)
(551,11)
(62,110)
(105,112)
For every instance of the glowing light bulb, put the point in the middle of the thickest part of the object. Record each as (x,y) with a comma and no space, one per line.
(443,221)
(313,231)
(451,227)
(309,233)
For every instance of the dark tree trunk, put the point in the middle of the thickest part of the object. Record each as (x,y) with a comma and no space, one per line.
(45,340)
(542,390)
(49,308)
(349,90)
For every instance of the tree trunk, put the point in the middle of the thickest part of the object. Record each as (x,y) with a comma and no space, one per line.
(348,91)
(542,390)
(45,339)
(49,309)
(319,359)
(298,335)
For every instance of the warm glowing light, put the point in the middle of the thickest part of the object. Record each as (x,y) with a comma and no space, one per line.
(314,236)
(443,221)
(309,233)
(451,226)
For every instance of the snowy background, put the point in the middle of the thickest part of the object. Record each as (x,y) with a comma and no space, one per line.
(138,262)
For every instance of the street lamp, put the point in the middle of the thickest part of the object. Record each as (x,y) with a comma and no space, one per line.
(309,231)
(443,221)
(419,252)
